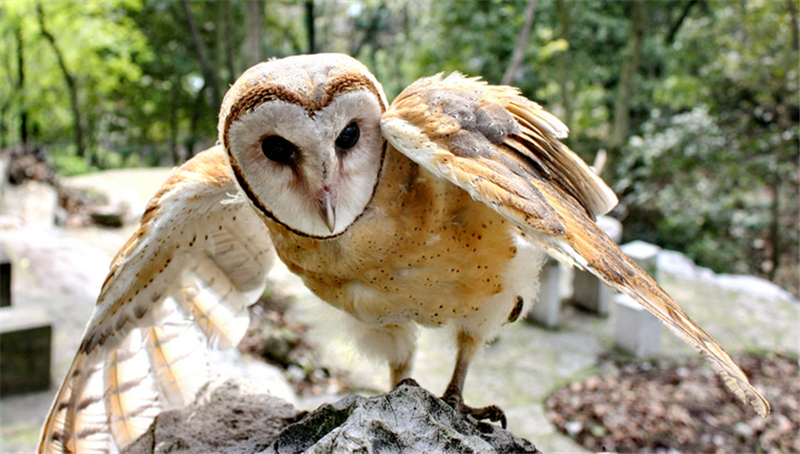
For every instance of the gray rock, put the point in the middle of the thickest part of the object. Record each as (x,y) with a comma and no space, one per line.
(228,417)
(679,265)
(60,264)
(232,419)
(407,419)
(755,286)
(113,216)
(33,202)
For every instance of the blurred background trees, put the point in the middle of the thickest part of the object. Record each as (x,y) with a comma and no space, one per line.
(694,102)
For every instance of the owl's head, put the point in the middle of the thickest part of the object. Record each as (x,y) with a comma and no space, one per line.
(303,140)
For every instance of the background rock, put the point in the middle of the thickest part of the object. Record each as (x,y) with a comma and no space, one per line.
(225,415)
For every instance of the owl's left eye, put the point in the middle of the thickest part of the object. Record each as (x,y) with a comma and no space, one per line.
(349,136)
(277,149)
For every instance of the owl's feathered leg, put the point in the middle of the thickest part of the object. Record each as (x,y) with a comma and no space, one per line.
(393,343)
(400,370)
(467,347)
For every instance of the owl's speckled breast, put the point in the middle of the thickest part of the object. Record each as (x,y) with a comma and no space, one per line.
(409,254)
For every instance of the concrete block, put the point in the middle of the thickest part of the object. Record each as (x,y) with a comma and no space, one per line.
(547,310)
(644,254)
(636,330)
(5,278)
(611,227)
(25,346)
(589,292)
(33,202)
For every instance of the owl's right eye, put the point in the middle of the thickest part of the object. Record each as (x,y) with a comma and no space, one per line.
(277,149)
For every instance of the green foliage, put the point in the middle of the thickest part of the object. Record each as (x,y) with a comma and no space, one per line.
(716,164)
(69,164)
(669,170)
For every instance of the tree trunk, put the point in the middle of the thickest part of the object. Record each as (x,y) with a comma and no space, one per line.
(795,31)
(630,64)
(196,114)
(774,230)
(173,121)
(563,15)
(673,30)
(370,33)
(23,109)
(72,85)
(225,38)
(202,54)
(312,45)
(522,43)
(253,38)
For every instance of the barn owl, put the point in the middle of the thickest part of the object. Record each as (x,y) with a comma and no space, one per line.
(434,211)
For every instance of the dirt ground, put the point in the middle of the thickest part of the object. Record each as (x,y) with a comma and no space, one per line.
(652,407)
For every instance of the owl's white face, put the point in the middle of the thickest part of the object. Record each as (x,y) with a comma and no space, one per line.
(303,139)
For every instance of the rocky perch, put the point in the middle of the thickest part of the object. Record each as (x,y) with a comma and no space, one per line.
(234,418)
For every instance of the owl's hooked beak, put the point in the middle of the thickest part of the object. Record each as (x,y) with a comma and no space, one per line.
(327,208)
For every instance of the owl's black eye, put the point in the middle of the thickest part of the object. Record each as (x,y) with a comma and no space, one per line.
(349,136)
(277,149)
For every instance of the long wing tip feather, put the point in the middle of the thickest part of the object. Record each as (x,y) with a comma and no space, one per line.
(738,383)
(644,290)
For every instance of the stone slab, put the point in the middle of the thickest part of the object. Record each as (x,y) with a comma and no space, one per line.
(25,346)
(547,309)
(589,293)
(636,330)
(5,278)
(644,254)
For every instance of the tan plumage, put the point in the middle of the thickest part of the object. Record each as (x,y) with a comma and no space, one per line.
(432,211)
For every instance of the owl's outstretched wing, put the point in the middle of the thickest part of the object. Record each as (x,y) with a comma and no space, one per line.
(504,151)
(182,282)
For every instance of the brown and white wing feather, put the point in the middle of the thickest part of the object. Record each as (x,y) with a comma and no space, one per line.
(504,151)
(182,282)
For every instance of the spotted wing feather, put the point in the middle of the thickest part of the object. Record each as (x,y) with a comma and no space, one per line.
(182,282)
(504,151)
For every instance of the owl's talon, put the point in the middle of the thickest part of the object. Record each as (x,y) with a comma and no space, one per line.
(492,413)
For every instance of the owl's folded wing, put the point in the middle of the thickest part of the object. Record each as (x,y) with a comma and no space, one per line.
(182,282)
(504,151)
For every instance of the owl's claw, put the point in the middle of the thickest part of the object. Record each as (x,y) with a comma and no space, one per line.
(491,412)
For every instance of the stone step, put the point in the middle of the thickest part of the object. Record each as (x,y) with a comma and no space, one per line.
(5,278)
(547,309)
(590,293)
(636,330)
(25,349)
